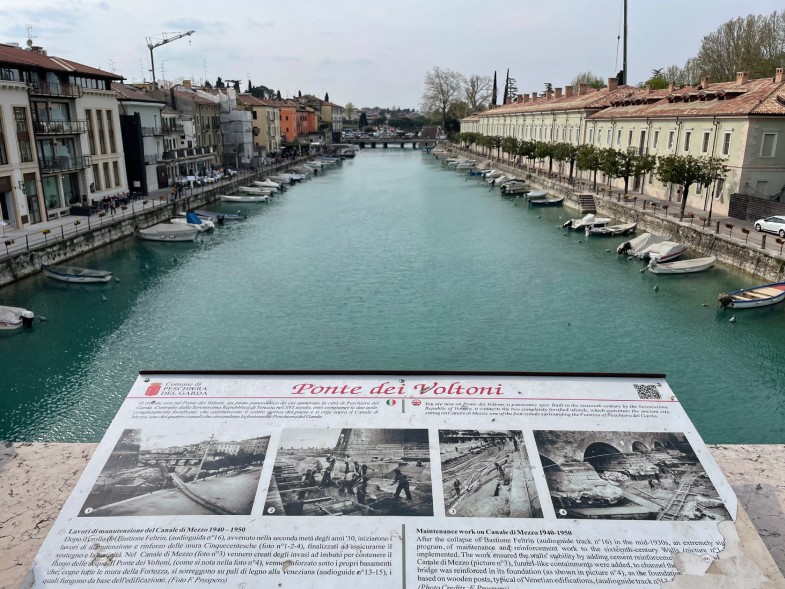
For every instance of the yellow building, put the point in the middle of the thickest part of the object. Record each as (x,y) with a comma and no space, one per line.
(266,123)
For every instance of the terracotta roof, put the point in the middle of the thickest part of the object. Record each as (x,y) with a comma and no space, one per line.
(194,96)
(591,99)
(15,56)
(126,92)
(762,96)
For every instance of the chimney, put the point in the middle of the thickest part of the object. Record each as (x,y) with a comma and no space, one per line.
(741,78)
(187,83)
(582,89)
(534,97)
(648,89)
(671,87)
(548,94)
(558,93)
(778,79)
(519,98)
(568,90)
(613,83)
(525,98)
(704,82)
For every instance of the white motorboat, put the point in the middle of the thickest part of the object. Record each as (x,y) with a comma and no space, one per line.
(169,232)
(255,190)
(280,178)
(264,186)
(15,317)
(74,274)
(268,183)
(244,198)
(612,230)
(647,246)
(195,221)
(682,266)
(587,222)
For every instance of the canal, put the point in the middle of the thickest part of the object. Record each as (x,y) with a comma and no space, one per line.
(389,262)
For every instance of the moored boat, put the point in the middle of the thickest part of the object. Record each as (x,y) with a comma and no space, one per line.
(612,230)
(169,232)
(757,296)
(195,221)
(218,217)
(255,190)
(585,222)
(647,247)
(74,274)
(681,266)
(546,202)
(244,198)
(15,317)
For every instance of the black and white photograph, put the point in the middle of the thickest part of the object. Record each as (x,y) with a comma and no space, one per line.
(627,475)
(351,472)
(487,474)
(182,473)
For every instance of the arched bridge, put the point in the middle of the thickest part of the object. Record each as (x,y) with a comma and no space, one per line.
(373,142)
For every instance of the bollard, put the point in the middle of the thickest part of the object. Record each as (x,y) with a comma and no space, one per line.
(717,230)
(763,242)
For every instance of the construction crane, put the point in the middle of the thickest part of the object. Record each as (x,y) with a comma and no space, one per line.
(152,43)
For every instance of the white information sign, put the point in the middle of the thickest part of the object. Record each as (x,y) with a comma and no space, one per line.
(425,481)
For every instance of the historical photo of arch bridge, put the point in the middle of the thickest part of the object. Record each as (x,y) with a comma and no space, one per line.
(351,471)
(487,474)
(182,473)
(627,475)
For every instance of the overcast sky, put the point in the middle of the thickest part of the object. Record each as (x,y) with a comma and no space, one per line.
(367,52)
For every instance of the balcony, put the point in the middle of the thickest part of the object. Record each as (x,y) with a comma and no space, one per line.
(64,164)
(151,160)
(55,89)
(184,153)
(172,128)
(59,127)
(152,131)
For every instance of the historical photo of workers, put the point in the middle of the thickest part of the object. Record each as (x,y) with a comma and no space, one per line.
(351,472)
(180,473)
(487,474)
(627,475)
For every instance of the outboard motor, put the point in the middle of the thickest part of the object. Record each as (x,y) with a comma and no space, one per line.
(567,224)
(624,248)
(27,318)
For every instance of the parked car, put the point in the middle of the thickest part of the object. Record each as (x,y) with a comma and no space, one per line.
(775,224)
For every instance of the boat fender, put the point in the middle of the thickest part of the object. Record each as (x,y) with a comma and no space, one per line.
(656,287)
(732,319)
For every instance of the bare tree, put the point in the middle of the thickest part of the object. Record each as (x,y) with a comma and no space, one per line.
(589,79)
(349,110)
(477,92)
(442,87)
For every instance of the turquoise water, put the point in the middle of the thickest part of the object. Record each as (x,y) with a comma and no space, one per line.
(390,262)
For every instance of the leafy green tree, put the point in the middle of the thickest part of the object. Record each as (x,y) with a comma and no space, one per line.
(528,149)
(349,110)
(687,170)
(542,150)
(510,145)
(634,164)
(590,79)
(566,152)
(363,120)
(589,160)
(219,83)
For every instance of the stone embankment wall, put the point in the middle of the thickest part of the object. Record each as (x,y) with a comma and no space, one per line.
(766,264)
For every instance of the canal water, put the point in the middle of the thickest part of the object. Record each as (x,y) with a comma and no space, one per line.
(389,262)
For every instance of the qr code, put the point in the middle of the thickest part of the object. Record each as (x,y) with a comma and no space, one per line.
(647,391)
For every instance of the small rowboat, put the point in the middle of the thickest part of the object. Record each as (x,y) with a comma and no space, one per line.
(246,198)
(169,232)
(682,266)
(611,230)
(545,202)
(74,274)
(757,296)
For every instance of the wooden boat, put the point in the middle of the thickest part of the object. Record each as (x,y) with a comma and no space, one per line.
(15,317)
(245,198)
(757,296)
(169,232)
(74,274)
(588,221)
(546,202)
(611,230)
(682,266)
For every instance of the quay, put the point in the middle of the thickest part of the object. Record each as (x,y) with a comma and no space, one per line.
(734,241)
(52,242)
(38,478)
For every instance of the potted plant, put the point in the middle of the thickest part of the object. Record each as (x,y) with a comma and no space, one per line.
(730,227)
(746,233)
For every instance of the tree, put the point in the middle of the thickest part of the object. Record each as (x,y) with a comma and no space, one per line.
(495,91)
(441,88)
(588,78)
(278,95)
(236,85)
(219,83)
(477,91)
(687,170)
(326,97)
(299,94)
(250,87)
(528,149)
(542,150)
(510,145)
(565,152)
(632,164)
(506,87)
(363,122)
(349,110)
(208,85)
(589,160)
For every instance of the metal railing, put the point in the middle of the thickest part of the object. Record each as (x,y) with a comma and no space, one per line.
(64,164)
(55,89)
(151,159)
(172,128)
(59,127)
(151,131)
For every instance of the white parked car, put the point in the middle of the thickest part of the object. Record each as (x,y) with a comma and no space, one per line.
(774,224)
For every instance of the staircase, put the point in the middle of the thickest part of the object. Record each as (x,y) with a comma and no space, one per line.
(586,203)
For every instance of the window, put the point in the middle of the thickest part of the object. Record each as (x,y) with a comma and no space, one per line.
(110,130)
(96,178)
(570,134)
(610,136)
(116,172)
(591,135)
(101,137)
(618,137)
(768,145)
(670,139)
(90,130)
(726,143)
(705,144)
(107,177)
(23,134)
(687,137)
(651,177)
(3,152)
(656,139)
(629,139)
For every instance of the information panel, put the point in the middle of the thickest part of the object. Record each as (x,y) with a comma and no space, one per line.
(426,481)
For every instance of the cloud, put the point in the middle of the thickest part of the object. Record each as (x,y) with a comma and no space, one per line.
(104,6)
(358,62)
(261,25)
(187,24)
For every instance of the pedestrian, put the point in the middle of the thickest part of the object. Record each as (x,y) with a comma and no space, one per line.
(174,193)
(403,484)
(112,205)
(179,189)
(651,484)
(457,486)
(327,479)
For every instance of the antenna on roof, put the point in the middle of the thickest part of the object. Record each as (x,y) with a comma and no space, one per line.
(30,37)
